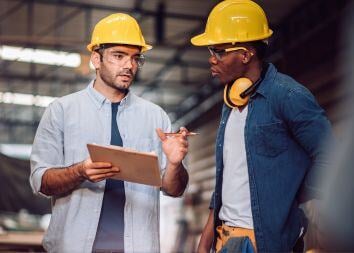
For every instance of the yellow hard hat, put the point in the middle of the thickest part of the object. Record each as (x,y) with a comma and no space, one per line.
(118,28)
(234,21)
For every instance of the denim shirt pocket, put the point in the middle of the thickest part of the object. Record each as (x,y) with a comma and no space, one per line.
(271,139)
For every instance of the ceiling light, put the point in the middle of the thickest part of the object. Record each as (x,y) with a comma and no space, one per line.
(49,57)
(25,99)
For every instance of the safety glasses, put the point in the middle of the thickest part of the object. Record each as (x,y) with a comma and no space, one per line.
(219,53)
(121,58)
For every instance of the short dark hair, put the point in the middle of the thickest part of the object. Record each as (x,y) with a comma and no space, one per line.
(260,46)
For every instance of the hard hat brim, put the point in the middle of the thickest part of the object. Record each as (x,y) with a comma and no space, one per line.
(205,40)
(144,48)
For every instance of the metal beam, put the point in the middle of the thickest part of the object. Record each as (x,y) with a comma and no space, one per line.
(12,10)
(59,22)
(101,7)
(49,28)
(173,61)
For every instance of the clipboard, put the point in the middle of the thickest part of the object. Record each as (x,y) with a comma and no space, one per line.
(135,166)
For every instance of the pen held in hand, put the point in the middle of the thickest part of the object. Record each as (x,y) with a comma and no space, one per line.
(179,133)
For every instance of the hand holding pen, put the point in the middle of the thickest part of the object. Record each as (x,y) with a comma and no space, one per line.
(174,145)
(180,132)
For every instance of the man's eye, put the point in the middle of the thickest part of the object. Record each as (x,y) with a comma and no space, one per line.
(219,51)
(118,56)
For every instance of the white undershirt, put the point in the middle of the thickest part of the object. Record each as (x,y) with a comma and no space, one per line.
(236,201)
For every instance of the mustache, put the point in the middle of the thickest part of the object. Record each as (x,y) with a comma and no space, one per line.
(126,72)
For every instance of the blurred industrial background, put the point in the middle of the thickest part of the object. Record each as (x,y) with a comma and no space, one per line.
(43,56)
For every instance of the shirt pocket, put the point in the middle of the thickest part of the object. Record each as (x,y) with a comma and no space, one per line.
(271,139)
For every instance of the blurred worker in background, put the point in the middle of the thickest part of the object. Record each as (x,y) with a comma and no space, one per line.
(91,212)
(269,145)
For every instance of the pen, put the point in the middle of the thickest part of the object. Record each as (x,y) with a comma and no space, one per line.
(179,133)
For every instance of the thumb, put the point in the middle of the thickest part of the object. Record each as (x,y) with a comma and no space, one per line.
(161,134)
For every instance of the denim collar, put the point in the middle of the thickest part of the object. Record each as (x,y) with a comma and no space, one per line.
(264,86)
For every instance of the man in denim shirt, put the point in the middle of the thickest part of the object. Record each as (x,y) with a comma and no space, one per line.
(269,145)
(91,212)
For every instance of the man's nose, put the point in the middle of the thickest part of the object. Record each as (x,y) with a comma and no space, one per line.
(128,63)
(212,60)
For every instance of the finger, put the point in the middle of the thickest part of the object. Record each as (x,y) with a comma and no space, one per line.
(115,169)
(100,165)
(161,134)
(182,135)
(93,172)
(183,150)
(183,131)
(97,178)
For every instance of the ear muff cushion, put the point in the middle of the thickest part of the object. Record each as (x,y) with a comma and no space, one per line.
(232,93)
(227,99)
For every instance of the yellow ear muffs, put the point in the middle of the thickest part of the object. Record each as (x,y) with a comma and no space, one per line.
(234,94)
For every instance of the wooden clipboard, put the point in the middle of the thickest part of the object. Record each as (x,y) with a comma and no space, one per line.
(135,166)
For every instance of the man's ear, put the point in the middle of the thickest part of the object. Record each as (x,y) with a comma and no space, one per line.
(247,56)
(96,59)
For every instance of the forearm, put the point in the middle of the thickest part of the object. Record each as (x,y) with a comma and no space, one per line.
(206,239)
(58,181)
(312,185)
(175,180)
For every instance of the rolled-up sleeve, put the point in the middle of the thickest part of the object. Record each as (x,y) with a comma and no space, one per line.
(47,148)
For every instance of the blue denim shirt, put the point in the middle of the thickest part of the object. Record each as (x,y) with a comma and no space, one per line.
(284,135)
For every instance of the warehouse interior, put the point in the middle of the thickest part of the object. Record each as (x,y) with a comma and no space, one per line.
(43,56)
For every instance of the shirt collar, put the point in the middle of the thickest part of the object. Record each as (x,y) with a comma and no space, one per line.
(100,100)
(263,88)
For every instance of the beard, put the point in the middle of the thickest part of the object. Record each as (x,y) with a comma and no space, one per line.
(110,80)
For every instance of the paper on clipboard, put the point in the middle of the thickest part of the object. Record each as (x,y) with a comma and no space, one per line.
(135,166)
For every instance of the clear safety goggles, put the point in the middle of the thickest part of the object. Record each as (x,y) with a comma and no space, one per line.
(121,58)
(219,53)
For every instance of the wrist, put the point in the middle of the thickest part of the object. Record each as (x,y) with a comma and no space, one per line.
(78,171)
(174,165)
